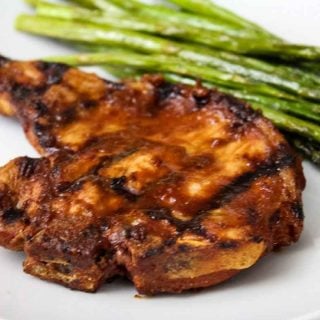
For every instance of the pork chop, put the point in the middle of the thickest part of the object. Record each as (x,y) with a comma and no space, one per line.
(173,186)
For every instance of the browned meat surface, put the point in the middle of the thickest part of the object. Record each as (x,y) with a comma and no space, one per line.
(176,187)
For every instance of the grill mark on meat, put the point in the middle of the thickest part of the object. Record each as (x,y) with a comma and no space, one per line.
(280,159)
(107,160)
(11,215)
(183,248)
(28,167)
(230,244)
(257,239)
(68,187)
(118,185)
(88,104)
(104,162)
(165,214)
(67,116)
(153,252)
(41,108)
(161,214)
(54,71)
(197,228)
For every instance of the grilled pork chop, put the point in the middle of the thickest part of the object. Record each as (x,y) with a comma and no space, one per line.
(173,186)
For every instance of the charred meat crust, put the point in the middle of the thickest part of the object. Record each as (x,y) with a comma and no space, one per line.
(11,215)
(177,187)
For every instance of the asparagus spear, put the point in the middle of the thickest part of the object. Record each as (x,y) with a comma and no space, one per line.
(138,41)
(67,12)
(290,123)
(171,64)
(303,109)
(308,148)
(208,8)
(178,18)
(261,46)
(99,4)
(163,63)
(291,52)
(89,33)
(312,67)
(270,48)
(123,20)
(123,72)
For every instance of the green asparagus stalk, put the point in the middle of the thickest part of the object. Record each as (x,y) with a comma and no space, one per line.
(303,109)
(142,42)
(308,148)
(75,13)
(88,33)
(311,67)
(161,27)
(168,64)
(123,20)
(291,52)
(270,48)
(128,22)
(123,72)
(178,18)
(99,4)
(290,123)
(208,8)
(132,23)
(161,62)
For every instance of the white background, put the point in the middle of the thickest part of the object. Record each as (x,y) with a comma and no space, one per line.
(282,286)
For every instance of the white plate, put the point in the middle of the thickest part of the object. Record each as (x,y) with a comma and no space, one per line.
(282,286)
